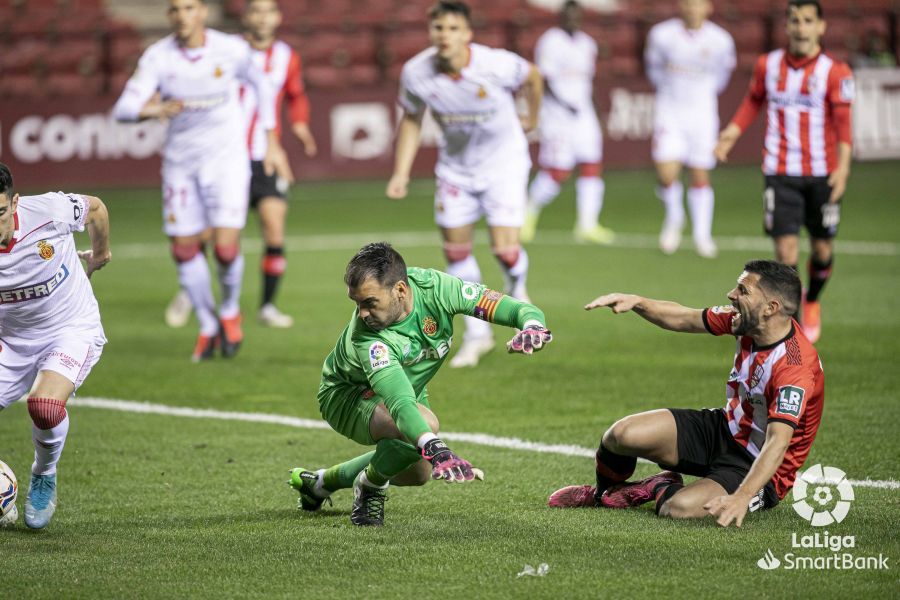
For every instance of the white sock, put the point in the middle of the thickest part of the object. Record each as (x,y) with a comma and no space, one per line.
(589,201)
(516,275)
(467,269)
(230,278)
(48,446)
(365,481)
(672,199)
(542,191)
(193,275)
(701,201)
(319,488)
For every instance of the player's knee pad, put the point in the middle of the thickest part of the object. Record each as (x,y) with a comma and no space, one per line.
(183,253)
(590,170)
(46,413)
(274,264)
(227,253)
(508,256)
(457,252)
(558,175)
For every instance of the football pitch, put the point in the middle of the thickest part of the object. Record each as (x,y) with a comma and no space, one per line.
(159,505)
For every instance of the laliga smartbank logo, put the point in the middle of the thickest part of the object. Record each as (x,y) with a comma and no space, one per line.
(822,496)
(830,497)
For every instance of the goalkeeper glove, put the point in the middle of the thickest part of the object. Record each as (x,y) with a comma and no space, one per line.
(448,466)
(529,340)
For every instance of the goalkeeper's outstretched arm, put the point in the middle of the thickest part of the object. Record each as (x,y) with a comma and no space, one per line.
(668,315)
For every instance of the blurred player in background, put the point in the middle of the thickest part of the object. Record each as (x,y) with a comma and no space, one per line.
(747,454)
(373,386)
(807,148)
(50,330)
(206,167)
(570,131)
(483,160)
(689,60)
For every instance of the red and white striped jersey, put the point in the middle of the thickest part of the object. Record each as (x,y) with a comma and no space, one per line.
(283,68)
(780,382)
(43,287)
(808,111)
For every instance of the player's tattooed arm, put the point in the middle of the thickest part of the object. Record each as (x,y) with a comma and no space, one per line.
(97,222)
(668,315)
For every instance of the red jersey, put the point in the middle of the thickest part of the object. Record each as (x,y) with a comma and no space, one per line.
(808,111)
(282,67)
(780,382)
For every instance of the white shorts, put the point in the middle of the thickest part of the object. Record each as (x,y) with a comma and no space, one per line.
(501,202)
(688,141)
(568,140)
(72,354)
(213,194)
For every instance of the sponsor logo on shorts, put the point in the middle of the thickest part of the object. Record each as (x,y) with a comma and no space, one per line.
(790,400)
(429,326)
(45,250)
(35,292)
(65,360)
(379,356)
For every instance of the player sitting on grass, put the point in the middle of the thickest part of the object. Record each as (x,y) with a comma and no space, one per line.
(747,454)
(373,382)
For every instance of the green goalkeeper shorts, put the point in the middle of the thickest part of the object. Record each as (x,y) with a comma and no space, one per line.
(349,411)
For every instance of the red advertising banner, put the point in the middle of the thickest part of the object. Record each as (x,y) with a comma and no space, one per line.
(75,141)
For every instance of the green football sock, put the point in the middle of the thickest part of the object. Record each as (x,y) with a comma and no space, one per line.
(392,457)
(341,476)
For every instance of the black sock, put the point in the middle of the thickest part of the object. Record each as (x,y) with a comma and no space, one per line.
(819,273)
(273,265)
(664,491)
(612,468)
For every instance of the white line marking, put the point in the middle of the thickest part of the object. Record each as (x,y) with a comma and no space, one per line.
(482,439)
(411,239)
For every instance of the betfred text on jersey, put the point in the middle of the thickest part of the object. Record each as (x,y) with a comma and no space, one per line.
(34,292)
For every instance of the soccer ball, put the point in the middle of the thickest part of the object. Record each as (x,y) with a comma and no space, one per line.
(9,489)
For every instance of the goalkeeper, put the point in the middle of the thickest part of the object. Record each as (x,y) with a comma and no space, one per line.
(373,382)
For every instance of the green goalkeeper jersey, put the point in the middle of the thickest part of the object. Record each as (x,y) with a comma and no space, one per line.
(397,363)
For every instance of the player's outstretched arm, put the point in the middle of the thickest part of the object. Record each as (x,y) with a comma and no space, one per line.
(97,222)
(733,507)
(407,146)
(668,315)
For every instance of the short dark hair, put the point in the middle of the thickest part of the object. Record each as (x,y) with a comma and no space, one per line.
(799,3)
(450,8)
(779,279)
(6,181)
(379,261)
(569,4)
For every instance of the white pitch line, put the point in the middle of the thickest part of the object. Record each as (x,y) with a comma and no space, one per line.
(482,439)
(418,239)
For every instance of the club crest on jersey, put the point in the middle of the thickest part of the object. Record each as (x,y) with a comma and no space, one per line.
(378,356)
(45,250)
(218,72)
(429,326)
(482,93)
(757,376)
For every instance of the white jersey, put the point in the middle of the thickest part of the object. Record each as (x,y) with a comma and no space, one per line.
(482,134)
(206,80)
(567,63)
(689,68)
(43,287)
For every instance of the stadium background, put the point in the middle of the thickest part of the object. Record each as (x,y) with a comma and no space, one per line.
(65,61)
(159,505)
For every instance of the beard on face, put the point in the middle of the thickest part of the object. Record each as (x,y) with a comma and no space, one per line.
(748,322)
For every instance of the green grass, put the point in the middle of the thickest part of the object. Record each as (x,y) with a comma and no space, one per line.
(161,506)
